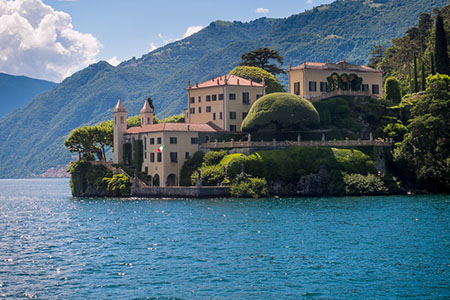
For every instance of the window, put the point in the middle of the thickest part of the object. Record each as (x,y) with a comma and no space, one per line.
(199,110)
(208,98)
(258,96)
(152,141)
(192,110)
(191,100)
(148,121)
(186,155)
(121,120)
(323,87)
(375,89)
(214,97)
(232,97)
(365,87)
(312,86)
(158,141)
(159,156)
(297,88)
(199,99)
(173,157)
(232,127)
(245,98)
(145,155)
(220,116)
(152,156)
(145,145)
(208,109)
(220,96)
(194,140)
(214,116)
(173,140)
(244,114)
(232,115)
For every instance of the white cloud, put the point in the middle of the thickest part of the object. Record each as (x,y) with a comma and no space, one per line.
(37,41)
(191,30)
(261,10)
(113,61)
(152,47)
(309,1)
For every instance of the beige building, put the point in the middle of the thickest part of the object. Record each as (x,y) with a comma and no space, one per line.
(224,101)
(176,141)
(313,80)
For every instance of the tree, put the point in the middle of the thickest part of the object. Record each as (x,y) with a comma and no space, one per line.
(425,151)
(441,54)
(257,75)
(82,140)
(392,87)
(261,58)
(377,55)
(150,102)
(280,111)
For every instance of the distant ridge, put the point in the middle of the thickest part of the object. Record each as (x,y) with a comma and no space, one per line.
(32,137)
(15,91)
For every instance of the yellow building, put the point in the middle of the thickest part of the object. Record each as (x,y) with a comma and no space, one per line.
(315,81)
(175,141)
(224,100)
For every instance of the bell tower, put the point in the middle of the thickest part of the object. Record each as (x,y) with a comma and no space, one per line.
(146,113)
(120,128)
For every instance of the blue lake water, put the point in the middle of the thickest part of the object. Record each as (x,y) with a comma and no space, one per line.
(53,246)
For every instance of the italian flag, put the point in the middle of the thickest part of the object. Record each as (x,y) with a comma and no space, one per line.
(161,149)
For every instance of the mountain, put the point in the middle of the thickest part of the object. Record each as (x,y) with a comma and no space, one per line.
(32,137)
(15,91)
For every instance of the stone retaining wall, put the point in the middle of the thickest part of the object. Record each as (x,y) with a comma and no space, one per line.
(181,192)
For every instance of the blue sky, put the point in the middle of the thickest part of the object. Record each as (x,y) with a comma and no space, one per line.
(113,30)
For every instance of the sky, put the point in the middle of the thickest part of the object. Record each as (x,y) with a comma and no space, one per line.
(52,39)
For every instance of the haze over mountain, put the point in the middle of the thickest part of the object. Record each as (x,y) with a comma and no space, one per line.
(15,91)
(32,137)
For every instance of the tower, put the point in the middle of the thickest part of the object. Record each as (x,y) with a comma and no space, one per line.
(146,113)
(120,128)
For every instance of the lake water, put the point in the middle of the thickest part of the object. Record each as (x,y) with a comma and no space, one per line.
(53,246)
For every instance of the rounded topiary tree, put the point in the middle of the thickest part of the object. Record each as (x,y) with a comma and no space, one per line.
(280,111)
(257,74)
(393,90)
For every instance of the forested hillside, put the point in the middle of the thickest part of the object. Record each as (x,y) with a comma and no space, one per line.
(15,91)
(32,138)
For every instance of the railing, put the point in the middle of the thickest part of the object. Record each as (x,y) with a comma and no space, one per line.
(284,144)
(341,93)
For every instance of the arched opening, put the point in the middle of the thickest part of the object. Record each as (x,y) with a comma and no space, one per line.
(172,180)
(207,139)
(156,180)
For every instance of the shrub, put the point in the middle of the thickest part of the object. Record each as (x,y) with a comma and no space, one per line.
(357,184)
(249,187)
(395,131)
(257,74)
(280,111)
(118,185)
(212,175)
(213,157)
(392,86)
(189,167)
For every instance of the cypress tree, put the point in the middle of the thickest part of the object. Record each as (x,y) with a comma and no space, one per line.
(432,64)
(416,86)
(441,54)
(423,76)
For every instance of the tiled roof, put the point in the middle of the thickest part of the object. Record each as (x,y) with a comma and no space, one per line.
(119,107)
(342,65)
(208,127)
(225,80)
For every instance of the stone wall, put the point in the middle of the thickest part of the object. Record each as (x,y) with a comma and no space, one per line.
(181,192)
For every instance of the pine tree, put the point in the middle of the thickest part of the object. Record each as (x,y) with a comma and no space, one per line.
(441,54)
(416,86)
(423,77)
(432,64)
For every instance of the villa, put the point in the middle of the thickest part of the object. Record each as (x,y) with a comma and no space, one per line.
(216,109)
(315,81)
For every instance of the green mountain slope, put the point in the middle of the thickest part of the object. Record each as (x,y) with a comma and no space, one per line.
(32,136)
(15,91)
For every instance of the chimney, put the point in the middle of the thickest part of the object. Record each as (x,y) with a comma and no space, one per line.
(238,82)
(357,62)
(189,84)
(251,82)
(196,84)
(218,82)
(290,67)
(328,61)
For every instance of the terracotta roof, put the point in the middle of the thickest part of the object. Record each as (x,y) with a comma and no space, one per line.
(146,108)
(342,65)
(225,80)
(208,127)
